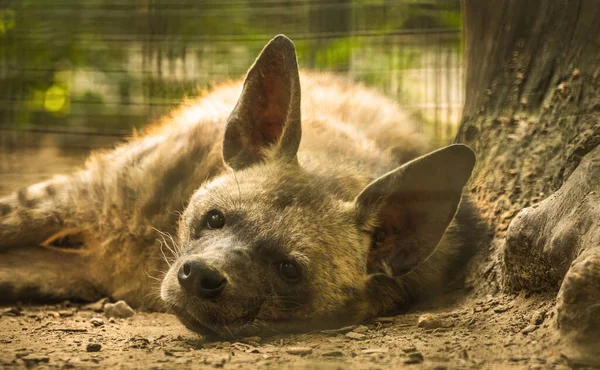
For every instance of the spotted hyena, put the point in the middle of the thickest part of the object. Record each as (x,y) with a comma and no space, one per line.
(257,210)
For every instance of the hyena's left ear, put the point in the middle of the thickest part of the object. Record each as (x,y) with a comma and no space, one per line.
(265,123)
(408,210)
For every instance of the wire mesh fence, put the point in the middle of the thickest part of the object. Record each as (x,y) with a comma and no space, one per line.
(100,67)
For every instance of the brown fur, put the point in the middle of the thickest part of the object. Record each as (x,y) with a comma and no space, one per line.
(365,247)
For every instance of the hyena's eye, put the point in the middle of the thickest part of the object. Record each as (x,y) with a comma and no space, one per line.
(215,219)
(290,271)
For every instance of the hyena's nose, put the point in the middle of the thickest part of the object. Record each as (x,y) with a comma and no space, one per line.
(197,278)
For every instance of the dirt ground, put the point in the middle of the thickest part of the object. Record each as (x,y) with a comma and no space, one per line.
(492,333)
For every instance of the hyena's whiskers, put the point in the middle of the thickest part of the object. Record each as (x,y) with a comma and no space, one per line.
(240,199)
(228,330)
(175,245)
(152,277)
(163,253)
(161,258)
(179,214)
(175,250)
(154,293)
(160,272)
(155,298)
(162,241)
(273,330)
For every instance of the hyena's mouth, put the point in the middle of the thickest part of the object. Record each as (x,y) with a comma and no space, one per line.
(246,325)
(193,324)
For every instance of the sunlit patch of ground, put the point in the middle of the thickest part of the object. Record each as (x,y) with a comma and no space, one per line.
(500,332)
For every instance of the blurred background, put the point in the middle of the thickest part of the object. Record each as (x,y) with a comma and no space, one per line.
(77,75)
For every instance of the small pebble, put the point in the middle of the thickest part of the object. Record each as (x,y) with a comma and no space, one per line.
(355,336)
(255,339)
(538,317)
(66,313)
(119,310)
(97,321)
(429,321)
(93,347)
(361,329)
(333,354)
(500,309)
(299,351)
(529,329)
(414,358)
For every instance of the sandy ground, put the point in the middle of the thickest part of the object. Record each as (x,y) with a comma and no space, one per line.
(494,332)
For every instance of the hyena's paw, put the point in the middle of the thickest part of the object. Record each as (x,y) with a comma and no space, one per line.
(33,214)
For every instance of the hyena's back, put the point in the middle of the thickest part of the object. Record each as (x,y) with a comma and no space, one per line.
(103,227)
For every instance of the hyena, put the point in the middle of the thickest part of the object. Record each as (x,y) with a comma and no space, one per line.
(253,229)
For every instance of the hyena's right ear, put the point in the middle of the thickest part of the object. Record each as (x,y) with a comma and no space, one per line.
(265,123)
(408,210)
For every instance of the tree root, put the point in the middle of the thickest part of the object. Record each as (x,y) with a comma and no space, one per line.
(555,246)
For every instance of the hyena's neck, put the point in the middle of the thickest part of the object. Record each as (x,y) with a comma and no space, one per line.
(327,151)
(346,123)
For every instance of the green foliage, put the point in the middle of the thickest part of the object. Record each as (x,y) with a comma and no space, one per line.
(7,20)
(107,62)
(336,55)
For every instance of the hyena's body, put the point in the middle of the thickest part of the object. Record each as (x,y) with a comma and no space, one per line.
(103,228)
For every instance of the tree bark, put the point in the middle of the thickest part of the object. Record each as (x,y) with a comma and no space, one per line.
(532,113)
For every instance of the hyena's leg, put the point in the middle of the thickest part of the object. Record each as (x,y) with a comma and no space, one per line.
(35,214)
(39,273)
(96,230)
(40,248)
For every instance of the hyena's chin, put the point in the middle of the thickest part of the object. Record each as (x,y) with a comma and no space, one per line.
(192,324)
(245,327)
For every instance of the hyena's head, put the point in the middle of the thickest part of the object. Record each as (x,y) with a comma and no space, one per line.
(271,247)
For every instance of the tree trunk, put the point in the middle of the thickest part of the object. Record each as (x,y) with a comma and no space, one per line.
(532,115)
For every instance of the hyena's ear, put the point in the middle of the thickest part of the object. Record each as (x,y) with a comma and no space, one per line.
(408,210)
(265,123)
